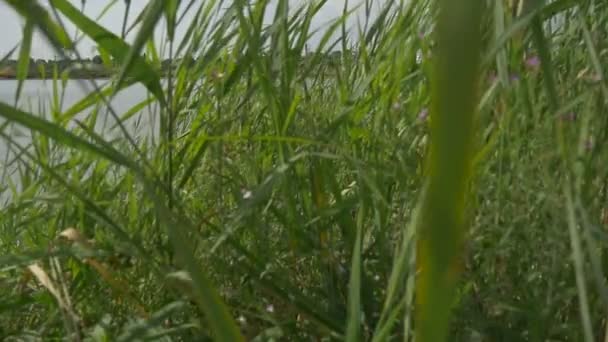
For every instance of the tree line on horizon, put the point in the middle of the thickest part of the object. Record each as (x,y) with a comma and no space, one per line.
(73,68)
(97,67)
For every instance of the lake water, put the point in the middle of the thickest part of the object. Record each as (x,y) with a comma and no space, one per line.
(37,98)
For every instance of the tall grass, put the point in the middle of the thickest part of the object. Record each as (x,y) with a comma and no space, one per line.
(297,188)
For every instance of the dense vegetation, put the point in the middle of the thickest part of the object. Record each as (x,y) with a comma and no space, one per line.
(285,190)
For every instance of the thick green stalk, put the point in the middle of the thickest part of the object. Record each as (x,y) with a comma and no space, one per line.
(454,98)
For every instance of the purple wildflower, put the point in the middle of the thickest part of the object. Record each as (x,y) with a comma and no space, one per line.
(423,115)
(532,62)
(514,77)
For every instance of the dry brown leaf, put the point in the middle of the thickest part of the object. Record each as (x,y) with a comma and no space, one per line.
(116,283)
(73,235)
(46,281)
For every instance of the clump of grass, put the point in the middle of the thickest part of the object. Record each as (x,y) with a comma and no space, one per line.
(284,191)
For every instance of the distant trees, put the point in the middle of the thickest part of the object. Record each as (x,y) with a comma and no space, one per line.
(75,68)
(96,67)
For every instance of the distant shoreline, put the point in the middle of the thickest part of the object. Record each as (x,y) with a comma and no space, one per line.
(50,79)
(82,69)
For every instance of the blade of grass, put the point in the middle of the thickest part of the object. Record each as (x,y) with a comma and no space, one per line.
(54,33)
(141,330)
(205,295)
(96,211)
(402,267)
(544,52)
(139,69)
(88,101)
(515,28)
(594,55)
(8,55)
(133,64)
(23,64)
(442,226)
(578,258)
(171,7)
(63,136)
(353,328)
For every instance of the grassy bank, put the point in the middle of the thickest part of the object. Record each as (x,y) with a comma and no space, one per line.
(446,177)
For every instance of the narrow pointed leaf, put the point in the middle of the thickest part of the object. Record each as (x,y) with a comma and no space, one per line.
(23,65)
(61,135)
(353,329)
(171,7)
(443,226)
(130,61)
(52,31)
(118,48)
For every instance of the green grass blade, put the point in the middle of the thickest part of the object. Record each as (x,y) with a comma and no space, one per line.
(509,32)
(133,63)
(442,225)
(95,210)
(353,328)
(403,269)
(171,7)
(61,135)
(136,109)
(23,64)
(552,8)
(204,294)
(579,265)
(142,330)
(88,101)
(544,52)
(499,29)
(8,55)
(141,71)
(31,9)
(594,55)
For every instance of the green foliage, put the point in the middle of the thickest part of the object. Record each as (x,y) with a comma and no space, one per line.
(442,227)
(282,183)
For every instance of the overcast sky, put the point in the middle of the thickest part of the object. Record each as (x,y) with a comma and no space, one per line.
(11,24)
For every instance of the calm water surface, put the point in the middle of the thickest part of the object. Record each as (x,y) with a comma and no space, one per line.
(37,98)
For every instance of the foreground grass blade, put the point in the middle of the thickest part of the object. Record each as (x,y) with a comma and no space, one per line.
(51,30)
(152,14)
(94,208)
(8,55)
(24,56)
(118,48)
(544,53)
(204,294)
(171,7)
(353,329)
(61,135)
(88,101)
(293,206)
(453,104)
(579,265)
